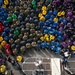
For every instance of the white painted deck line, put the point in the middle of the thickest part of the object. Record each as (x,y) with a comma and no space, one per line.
(55,66)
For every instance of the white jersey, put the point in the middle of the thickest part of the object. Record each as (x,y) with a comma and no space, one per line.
(66,54)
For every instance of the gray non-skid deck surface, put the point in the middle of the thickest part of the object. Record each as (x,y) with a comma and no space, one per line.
(29,66)
(39,54)
(72,64)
